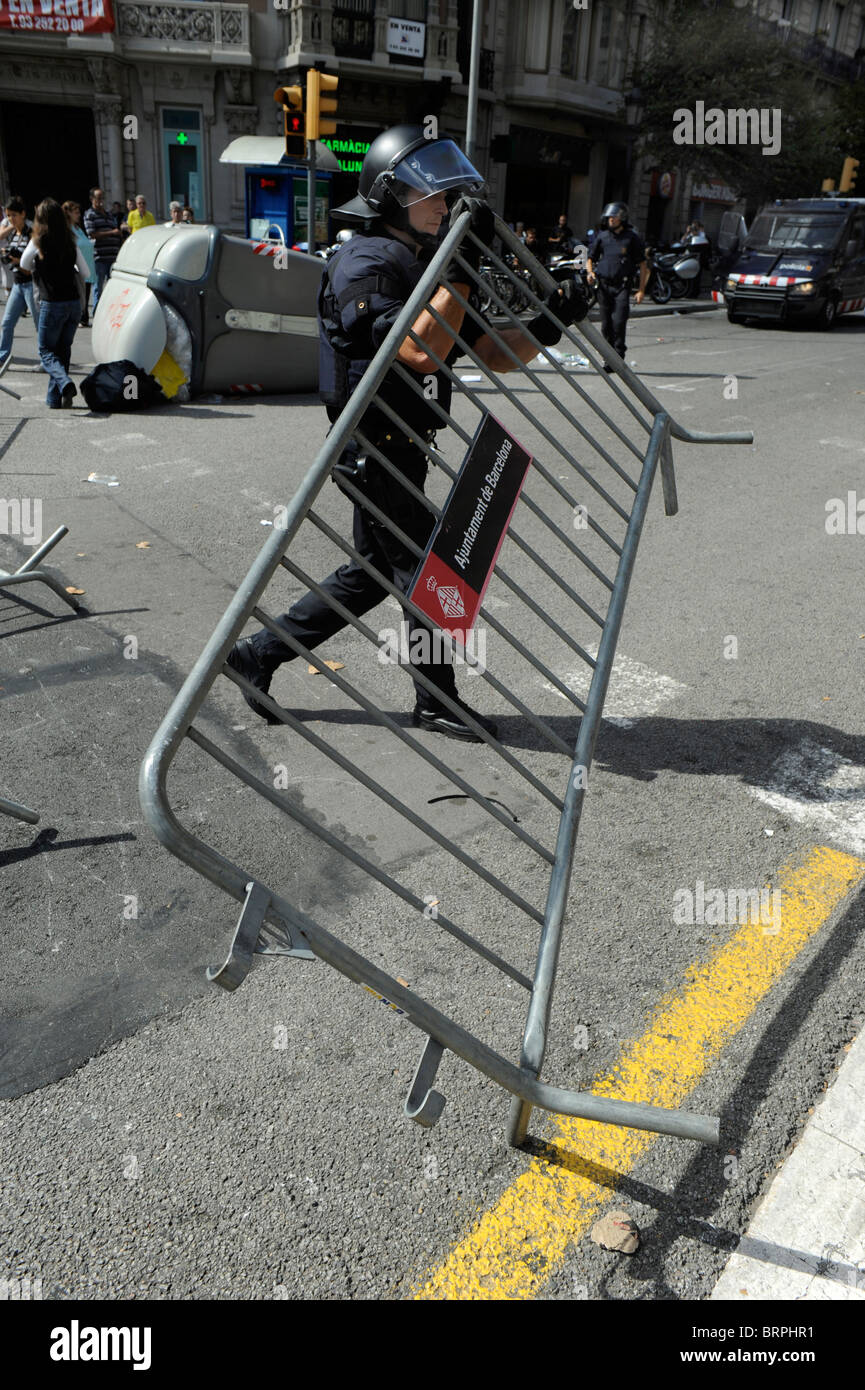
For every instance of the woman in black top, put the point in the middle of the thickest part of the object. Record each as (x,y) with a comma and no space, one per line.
(53,256)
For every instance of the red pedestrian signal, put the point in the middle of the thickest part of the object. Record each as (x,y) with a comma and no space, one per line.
(291,101)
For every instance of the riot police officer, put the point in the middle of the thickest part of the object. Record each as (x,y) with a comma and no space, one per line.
(613,257)
(406,184)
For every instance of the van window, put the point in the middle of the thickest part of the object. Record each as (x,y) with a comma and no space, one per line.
(795,231)
(857,232)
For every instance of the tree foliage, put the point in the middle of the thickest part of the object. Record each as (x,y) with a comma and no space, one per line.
(718,53)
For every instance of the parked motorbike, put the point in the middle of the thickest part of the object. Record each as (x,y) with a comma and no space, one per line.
(675,273)
(571,265)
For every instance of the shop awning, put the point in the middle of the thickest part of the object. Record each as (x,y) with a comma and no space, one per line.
(270,149)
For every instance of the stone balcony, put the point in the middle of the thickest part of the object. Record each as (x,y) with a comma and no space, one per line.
(196,30)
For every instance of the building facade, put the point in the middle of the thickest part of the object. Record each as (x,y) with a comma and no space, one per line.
(144,95)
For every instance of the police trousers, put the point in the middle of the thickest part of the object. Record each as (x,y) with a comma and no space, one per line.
(312,621)
(614,302)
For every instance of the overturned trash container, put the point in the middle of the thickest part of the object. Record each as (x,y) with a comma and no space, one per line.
(202,311)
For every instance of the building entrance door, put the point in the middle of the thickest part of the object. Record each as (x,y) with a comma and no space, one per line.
(50,152)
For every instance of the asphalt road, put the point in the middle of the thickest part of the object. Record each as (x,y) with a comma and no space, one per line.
(163,1139)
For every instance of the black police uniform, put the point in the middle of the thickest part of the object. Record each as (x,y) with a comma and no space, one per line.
(365,287)
(615,257)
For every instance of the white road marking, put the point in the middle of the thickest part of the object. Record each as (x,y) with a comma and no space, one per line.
(128,441)
(821,789)
(635,690)
(845,444)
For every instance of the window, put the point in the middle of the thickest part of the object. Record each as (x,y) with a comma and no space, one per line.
(836,26)
(788,10)
(406,9)
(606,23)
(353,28)
(570,40)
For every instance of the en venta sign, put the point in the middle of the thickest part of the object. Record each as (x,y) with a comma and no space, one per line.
(406,38)
(57,16)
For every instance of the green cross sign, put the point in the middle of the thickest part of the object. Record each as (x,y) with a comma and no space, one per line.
(182,139)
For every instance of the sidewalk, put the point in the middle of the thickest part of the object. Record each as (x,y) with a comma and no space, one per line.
(649,309)
(807,1238)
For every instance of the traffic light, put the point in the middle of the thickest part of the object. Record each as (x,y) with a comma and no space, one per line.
(848,174)
(320,108)
(827,186)
(291,101)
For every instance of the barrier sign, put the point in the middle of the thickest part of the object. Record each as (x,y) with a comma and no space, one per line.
(462,553)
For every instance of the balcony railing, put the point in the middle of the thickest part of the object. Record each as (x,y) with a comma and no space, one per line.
(193,28)
(808,48)
(353,29)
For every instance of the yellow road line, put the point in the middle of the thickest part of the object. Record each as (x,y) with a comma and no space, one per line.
(517,1244)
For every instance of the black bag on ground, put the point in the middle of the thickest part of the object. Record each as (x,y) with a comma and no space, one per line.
(115,386)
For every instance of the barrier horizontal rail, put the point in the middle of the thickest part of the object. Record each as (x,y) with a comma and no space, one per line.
(536,568)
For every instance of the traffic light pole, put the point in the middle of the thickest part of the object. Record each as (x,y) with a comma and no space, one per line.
(310,196)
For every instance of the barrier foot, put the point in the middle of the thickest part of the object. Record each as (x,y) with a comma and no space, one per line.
(238,962)
(423,1104)
(518,1122)
(668,474)
(11,808)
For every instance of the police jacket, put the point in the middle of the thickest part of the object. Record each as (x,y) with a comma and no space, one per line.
(363,290)
(615,257)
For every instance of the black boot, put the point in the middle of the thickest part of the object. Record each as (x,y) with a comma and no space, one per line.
(244,659)
(441,721)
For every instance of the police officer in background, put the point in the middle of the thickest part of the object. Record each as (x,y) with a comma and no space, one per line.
(407,184)
(613,257)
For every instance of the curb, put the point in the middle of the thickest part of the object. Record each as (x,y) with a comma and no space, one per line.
(807,1238)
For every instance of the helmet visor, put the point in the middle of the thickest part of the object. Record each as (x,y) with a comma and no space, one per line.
(439,167)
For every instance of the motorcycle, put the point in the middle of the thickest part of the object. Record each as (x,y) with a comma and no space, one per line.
(674,273)
(571,265)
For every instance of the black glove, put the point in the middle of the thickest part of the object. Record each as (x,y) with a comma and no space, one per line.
(568,303)
(483,224)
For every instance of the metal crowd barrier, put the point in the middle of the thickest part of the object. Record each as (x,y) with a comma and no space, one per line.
(615,466)
(29,573)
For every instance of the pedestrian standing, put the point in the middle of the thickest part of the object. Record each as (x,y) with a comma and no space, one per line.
(187,215)
(21,294)
(5,268)
(561,236)
(614,255)
(53,256)
(73,217)
(102,228)
(175,213)
(140,216)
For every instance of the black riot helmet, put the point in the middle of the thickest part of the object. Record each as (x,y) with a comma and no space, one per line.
(399,164)
(619,210)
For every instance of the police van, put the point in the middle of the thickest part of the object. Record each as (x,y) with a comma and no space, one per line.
(803,260)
